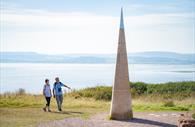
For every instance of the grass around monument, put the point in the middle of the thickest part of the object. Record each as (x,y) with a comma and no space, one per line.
(22,109)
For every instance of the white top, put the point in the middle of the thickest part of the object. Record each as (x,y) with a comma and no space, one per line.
(47,90)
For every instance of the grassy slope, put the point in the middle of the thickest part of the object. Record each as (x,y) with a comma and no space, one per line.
(23,110)
(19,112)
(26,110)
(16,117)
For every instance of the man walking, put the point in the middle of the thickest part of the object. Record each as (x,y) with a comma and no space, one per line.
(57,92)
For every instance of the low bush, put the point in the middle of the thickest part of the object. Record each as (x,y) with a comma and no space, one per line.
(99,92)
(20,91)
(172,87)
(139,87)
(166,91)
(193,115)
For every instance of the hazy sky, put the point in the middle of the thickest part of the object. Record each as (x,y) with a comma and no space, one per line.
(92,26)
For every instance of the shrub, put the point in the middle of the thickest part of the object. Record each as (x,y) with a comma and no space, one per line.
(133,92)
(171,87)
(98,92)
(178,90)
(139,87)
(193,115)
(20,91)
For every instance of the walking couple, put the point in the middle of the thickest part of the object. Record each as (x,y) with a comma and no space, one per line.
(57,93)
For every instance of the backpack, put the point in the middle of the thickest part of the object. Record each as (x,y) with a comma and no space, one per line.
(59,89)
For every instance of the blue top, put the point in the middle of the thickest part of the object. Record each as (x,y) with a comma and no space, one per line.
(121,22)
(58,88)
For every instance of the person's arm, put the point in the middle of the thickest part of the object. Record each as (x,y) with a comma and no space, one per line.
(44,90)
(66,86)
(50,93)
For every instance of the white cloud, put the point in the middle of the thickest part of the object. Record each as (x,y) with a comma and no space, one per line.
(50,19)
(78,32)
(41,18)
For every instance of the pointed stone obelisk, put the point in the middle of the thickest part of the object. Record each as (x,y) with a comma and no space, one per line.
(121,108)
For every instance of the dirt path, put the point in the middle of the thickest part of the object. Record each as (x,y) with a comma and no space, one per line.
(141,119)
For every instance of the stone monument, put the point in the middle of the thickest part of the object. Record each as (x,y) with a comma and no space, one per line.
(121,108)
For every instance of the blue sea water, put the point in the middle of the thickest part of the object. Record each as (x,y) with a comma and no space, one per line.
(31,76)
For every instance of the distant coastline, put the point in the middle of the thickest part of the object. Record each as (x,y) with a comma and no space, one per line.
(135,58)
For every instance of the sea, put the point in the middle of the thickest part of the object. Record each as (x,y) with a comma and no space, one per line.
(31,76)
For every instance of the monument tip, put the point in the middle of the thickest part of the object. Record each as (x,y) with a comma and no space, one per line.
(121,21)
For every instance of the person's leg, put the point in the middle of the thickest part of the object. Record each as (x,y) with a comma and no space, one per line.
(61,101)
(58,101)
(47,99)
(48,103)
(45,105)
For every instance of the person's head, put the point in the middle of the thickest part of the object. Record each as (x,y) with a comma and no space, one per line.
(46,81)
(57,79)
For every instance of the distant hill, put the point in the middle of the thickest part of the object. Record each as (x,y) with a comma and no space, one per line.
(136,58)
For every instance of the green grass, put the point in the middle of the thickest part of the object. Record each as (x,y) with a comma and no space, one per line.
(21,109)
(162,107)
(17,117)
(18,112)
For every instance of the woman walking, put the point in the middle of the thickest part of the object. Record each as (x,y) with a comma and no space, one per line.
(47,94)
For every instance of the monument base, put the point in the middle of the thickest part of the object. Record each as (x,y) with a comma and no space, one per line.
(122,116)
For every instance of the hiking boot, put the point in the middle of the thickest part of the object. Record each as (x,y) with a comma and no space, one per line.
(44,109)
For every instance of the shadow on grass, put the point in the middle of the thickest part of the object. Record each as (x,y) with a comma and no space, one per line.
(148,122)
(67,112)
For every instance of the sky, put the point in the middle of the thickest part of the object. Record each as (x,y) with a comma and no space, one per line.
(92,26)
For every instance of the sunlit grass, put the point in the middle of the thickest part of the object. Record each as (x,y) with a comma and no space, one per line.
(21,109)
(17,117)
(19,113)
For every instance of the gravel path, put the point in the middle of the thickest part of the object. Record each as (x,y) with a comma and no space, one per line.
(141,119)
